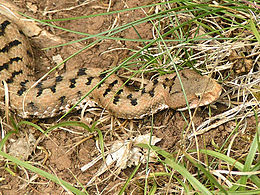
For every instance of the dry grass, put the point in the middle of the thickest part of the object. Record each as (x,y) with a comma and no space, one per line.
(221,41)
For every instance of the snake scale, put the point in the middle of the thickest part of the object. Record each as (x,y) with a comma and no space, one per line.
(54,96)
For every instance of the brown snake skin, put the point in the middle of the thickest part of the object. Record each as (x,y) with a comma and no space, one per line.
(55,96)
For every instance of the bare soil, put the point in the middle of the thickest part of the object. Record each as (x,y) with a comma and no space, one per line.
(58,153)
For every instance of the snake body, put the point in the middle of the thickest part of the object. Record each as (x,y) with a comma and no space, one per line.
(54,96)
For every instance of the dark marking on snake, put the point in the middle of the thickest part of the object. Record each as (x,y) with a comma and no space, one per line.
(32,106)
(116,99)
(72,83)
(99,85)
(53,88)
(109,88)
(29,53)
(113,83)
(102,75)
(23,83)
(106,92)
(58,79)
(130,96)
(89,80)
(143,91)
(79,93)
(39,85)
(6,65)
(151,92)
(3,27)
(164,86)
(119,91)
(81,72)
(21,90)
(21,32)
(40,89)
(170,88)
(155,81)
(10,45)
(174,78)
(15,73)
(175,92)
(23,87)
(61,99)
(184,76)
(134,102)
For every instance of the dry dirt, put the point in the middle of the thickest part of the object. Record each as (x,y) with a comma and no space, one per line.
(64,160)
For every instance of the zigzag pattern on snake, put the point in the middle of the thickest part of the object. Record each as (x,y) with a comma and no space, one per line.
(54,96)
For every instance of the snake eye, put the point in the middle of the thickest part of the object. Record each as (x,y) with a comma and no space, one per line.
(198,95)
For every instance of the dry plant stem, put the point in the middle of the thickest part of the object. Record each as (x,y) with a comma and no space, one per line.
(229,115)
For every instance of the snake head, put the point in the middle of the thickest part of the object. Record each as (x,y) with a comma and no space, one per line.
(199,90)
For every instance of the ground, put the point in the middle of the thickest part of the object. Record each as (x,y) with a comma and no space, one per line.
(62,153)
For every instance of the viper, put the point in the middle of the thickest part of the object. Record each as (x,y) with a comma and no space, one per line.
(54,96)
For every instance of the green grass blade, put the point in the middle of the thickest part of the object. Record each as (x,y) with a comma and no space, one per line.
(2,142)
(207,174)
(249,160)
(185,173)
(69,123)
(255,31)
(31,124)
(42,173)
(223,157)
(153,189)
(129,178)
(245,192)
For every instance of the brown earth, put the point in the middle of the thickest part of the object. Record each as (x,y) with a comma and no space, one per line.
(63,157)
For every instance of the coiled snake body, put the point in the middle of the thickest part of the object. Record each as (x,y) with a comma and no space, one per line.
(53,96)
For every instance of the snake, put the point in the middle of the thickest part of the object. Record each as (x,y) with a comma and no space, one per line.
(56,95)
